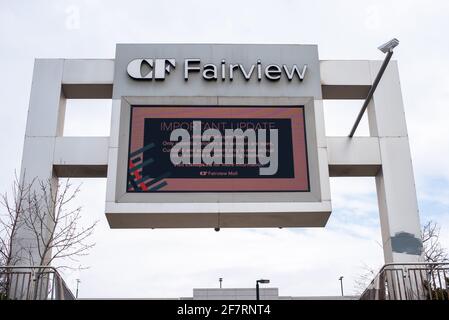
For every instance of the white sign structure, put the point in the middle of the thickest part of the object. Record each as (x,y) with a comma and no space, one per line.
(150,79)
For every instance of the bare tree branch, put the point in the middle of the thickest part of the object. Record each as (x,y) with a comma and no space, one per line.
(49,229)
(433,251)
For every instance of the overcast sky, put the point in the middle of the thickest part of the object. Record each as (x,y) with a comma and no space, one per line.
(169,263)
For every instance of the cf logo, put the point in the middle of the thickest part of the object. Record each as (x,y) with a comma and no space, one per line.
(148,69)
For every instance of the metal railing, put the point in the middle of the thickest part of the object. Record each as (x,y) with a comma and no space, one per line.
(410,281)
(33,283)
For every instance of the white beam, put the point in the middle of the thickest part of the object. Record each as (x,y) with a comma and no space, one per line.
(345,79)
(229,215)
(81,157)
(81,151)
(358,156)
(345,72)
(88,78)
(88,71)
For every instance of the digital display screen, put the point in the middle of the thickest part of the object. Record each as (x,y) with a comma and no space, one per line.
(217,149)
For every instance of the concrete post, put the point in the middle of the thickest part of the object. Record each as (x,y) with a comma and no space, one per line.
(396,193)
(44,124)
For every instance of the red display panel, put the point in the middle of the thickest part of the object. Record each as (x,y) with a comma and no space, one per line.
(217,149)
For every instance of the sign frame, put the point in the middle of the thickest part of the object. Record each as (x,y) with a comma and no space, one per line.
(314,195)
(150,172)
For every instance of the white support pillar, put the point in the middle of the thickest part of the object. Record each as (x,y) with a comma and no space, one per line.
(45,122)
(46,154)
(396,193)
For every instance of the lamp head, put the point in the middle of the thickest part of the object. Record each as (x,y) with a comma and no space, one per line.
(263,281)
(389,46)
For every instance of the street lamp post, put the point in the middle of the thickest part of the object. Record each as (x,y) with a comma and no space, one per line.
(77,285)
(341,284)
(385,48)
(220,280)
(257,286)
